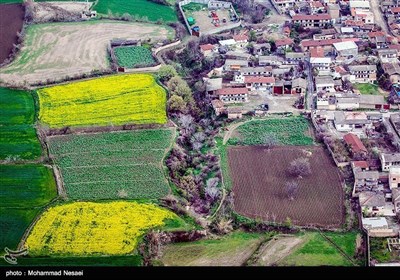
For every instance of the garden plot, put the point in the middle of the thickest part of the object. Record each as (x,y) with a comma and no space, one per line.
(54,51)
(113,165)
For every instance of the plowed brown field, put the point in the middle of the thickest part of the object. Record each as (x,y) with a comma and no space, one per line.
(11,20)
(259,178)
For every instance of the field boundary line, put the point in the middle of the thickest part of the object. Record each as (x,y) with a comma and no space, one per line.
(109,165)
(108,181)
(124,150)
(343,253)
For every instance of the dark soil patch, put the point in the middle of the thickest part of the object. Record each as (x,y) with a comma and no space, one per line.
(259,177)
(11,21)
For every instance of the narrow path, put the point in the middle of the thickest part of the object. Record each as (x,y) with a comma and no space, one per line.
(378,16)
(231,129)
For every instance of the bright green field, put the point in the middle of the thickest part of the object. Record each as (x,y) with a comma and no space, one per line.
(141,8)
(26,185)
(18,137)
(113,165)
(13,224)
(231,250)
(133,56)
(288,131)
(367,88)
(317,251)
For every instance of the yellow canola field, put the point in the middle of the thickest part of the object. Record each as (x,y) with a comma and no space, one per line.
(112,100)
(90,228)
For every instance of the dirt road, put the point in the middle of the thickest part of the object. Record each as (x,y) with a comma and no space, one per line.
(378,16)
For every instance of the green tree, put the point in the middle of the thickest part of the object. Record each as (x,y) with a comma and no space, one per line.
(176,104)
(166,72)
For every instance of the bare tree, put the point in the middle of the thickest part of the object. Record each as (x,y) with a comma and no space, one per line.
(292,187)
(300,167)
(270,141)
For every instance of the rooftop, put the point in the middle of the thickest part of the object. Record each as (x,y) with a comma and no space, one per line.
(356,68)
(370,199)
(355,143)
(372,99)
(206,47)
(341,46)
(312,17)
(360,164)
(256,69)
(231,90)
(391,157)
(259,79)
(375,222)
(324,80)
(283,42)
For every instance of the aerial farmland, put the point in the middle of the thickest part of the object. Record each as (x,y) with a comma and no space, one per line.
(190,133)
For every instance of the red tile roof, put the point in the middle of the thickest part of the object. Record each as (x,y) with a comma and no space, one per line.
(259,79)
(351,22)
(361,164)
(395,10)
(240,37)
(355,143)
(317,52)
(312,17)
(394,47)
(229,90)
(207,47)
(316,4)
(283,42)
(316,43)
(376,34)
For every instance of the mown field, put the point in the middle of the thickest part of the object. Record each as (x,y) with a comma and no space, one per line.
(230,250)
(90,229)
(287,131)
(259,177)
(138,8)
(317,251)
(24,191)
(55,51)
(18,139)
(113,165)
(131,57)
(111,100)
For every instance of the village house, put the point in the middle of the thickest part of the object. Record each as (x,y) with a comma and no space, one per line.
(349,102)
(394,177)
(273,60)
(365,181)
(377,227)
(284,44)
(361,5)
(212,85)
(388,160)
(362,73)
(322,64)
(388,55)
(396,199)
(393,70)
(233,95)
(333,10)
(359,165)
(346,49)
(326,103)
(393,12)
(281,71)
(235,113)
(241,40)
(256,71)
(316,7)
(299,86)
(294,57)
(355,145)
(262,49)
(372,102)
(259,82)
(208,49)
(237,55)
(324,84)
(325,34)
(327,45)
(235,64)
(283,6)
(315,21)
(374,204)
(349,121)
(218,107)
